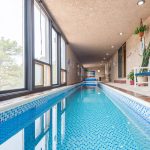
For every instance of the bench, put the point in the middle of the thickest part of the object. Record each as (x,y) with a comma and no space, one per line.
(138,73)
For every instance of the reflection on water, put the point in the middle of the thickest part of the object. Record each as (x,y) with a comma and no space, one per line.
(42,133)
(85,119)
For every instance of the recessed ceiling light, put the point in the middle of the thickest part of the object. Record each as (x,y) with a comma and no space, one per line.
(107,54)
(112,46)
(98,70)
(140,2)
(121,33)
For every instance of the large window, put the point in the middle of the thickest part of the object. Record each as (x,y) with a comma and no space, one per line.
(11,45)
(54,57)
(32,49)
(63,61)
(41,42)
(41,34)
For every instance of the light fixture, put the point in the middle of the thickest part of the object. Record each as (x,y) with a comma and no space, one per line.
(121,33)
(112,46)
(98,70)
(140,2)
(107,54)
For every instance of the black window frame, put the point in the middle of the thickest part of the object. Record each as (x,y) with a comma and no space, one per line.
(36,61)
(29,60)
(57,84)
(62,69)
(24,57)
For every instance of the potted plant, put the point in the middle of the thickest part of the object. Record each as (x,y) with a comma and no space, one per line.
(140,30)
(131,77)
(145,63)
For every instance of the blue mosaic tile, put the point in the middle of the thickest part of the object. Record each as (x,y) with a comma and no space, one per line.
(142,110)
(35,103)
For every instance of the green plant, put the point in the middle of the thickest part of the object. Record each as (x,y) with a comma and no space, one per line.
(141,28)
(131,75)
(145,60)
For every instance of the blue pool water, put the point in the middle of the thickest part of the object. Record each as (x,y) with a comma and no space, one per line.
(83,120)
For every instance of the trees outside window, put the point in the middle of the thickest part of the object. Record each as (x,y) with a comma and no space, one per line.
(12,45)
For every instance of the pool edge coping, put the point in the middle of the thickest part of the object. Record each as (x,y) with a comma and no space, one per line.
(137,99)
(22,100)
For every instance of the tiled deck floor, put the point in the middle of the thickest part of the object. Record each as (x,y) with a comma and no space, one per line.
(143,90)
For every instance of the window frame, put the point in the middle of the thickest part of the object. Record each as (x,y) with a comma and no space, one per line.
(24,52)
(57,84)
(49,52)
(29,59)
(62,69)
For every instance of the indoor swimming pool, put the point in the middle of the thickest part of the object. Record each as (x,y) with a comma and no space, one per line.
(83,118)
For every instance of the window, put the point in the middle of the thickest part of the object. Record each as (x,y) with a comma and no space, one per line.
(63,76)
(22,68)
(63,61)
(42,52)
(39,74)
(63,54)
(40,34)
(54,58)
(12,45)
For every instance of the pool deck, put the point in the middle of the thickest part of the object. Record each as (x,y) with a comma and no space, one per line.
(139,92)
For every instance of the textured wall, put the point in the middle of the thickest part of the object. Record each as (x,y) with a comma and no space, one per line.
(133,57)
(133,46)
(73,67)
(114,67)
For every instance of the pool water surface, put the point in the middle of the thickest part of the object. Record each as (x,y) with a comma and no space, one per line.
(84,120)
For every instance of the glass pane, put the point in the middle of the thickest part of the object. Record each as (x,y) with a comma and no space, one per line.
(63,54)
(63,76)
(54,57)
(47,76)
(11,45)
(40,34)
(39,77)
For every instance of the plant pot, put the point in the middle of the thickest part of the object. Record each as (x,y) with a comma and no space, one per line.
(141,34)
(141,80)
(131,82)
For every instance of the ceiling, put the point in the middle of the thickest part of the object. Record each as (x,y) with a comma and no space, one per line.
(93,26)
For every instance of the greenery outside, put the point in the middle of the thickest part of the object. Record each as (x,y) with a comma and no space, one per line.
(11,66)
